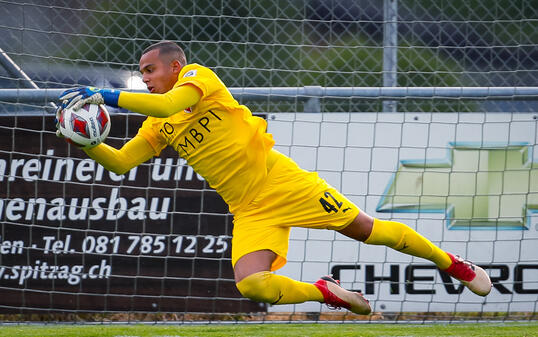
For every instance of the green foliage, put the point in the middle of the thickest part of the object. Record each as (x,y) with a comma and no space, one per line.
(267,43)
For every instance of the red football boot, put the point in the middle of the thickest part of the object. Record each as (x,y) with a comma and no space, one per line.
(337,297)
(471,275)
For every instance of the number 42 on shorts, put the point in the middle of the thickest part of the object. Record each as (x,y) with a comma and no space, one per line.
(330,204)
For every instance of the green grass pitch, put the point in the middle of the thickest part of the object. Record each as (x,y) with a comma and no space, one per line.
(526,329)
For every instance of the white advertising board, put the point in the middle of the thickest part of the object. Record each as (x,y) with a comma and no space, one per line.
(466,181)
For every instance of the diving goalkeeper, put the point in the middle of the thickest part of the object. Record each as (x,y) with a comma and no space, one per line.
(190,109)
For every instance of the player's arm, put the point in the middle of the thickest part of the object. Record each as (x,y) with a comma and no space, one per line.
(133,153)
(161,105)
(155,105)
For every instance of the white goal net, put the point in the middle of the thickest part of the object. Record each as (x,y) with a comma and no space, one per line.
(77,239)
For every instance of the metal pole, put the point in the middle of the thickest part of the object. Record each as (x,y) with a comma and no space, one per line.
(16,71)
(306,93)
(313,103)
(390,49)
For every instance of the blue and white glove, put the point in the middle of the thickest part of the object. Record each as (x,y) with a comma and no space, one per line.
(78,97)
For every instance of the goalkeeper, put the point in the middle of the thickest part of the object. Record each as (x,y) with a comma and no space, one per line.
(190,109)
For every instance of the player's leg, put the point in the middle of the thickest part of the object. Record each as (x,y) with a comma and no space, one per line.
(255,281)
(255,262)
(395,235)
(258,249)
(403,238)
(290,197)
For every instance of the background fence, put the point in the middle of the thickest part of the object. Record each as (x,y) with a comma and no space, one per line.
(336,43)
(157,239)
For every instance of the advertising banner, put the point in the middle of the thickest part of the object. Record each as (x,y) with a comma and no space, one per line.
(75,236)
(466,181)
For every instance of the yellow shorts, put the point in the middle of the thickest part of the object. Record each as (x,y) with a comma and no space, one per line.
(291,197)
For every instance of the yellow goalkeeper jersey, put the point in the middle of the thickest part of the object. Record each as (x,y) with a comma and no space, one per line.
(219,138)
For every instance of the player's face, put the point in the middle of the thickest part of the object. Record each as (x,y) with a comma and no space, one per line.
(158,74)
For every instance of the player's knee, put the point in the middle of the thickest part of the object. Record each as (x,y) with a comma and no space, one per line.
(257,287)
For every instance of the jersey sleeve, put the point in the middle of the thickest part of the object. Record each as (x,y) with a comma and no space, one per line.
(201,77)
(150,131)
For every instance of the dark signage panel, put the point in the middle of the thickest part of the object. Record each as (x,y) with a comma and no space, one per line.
(77,237)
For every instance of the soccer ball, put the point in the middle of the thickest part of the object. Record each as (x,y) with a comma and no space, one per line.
(87,127)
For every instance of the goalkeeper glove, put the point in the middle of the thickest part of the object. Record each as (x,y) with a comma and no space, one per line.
(78,97)
(59,111)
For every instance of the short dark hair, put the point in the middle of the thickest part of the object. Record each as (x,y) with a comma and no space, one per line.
(170,49)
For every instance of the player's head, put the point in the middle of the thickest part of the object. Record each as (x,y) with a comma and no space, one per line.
(160,65)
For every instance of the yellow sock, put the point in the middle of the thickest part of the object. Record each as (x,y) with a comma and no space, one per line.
(277,289)
(403,238)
